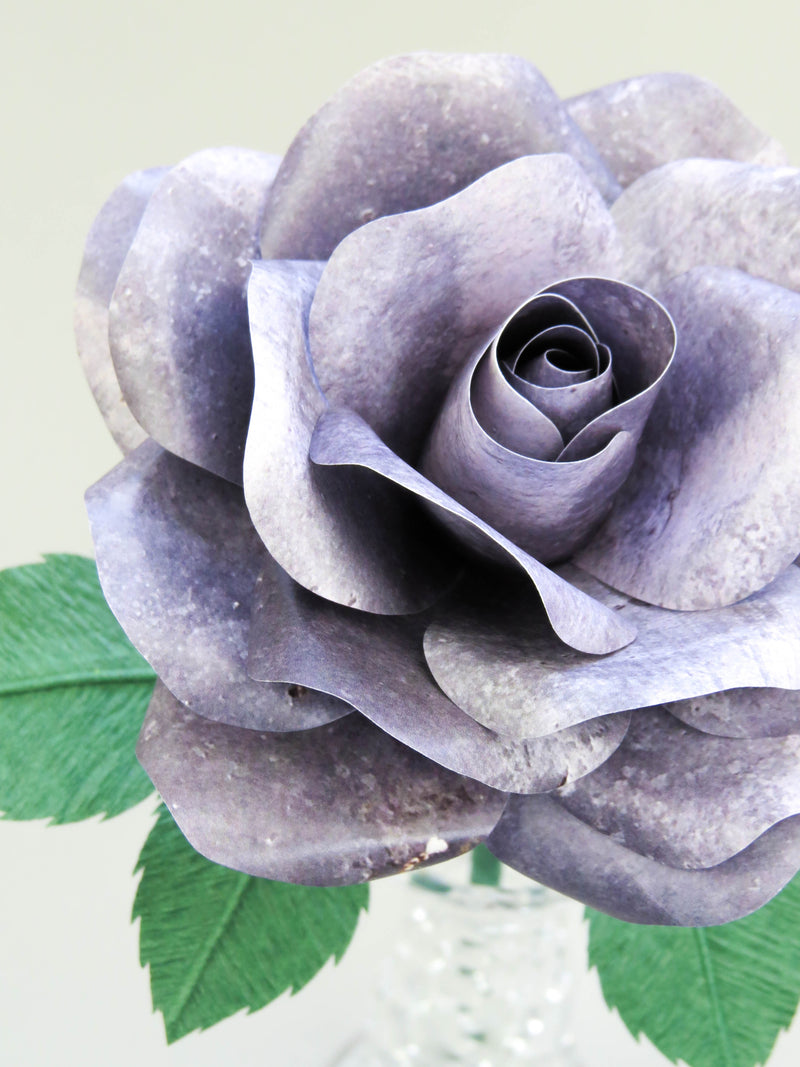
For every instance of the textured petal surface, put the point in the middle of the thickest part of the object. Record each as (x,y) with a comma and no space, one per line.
(711,512)
(407,132)
(685,798)
(331,806)
(178,317)
(178,560)
(377,664)
(406,300)
(497,658)
(341,438)
(642,123)
(539,837)
(343,534)
(106,247)
(699,211)
(742,712)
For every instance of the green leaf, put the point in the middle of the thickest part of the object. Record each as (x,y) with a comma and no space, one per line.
(486,868)
(714,997)
(73,693)
(218,941)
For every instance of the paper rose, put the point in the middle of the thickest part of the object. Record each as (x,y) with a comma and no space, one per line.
(426,533)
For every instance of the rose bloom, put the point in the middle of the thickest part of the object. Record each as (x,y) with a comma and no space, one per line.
(462,486)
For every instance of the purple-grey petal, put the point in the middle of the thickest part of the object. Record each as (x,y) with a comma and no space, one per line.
(106,247)
(343,534)
(704,211)
(547,509)
(406,300)
(341,438)
(178,560)
(498,659)
(407,132)
(508,417)
(685,798)
(642,123)
(540,838)
(711,511)
(336,805)
(377,665)
(744,712)
(178,316)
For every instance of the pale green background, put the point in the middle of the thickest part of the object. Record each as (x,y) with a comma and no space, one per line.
(90,91)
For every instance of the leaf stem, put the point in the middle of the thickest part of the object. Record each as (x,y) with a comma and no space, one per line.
(486,868)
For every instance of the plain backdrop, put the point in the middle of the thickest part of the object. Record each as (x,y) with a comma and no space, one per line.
(93,89)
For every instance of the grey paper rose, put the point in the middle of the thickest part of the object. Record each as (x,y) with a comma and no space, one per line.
(432,532)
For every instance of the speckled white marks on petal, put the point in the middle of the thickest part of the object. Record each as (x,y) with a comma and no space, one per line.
(106,247)
(407,132)
(346,535)
(178,316)
(336,805)
(178,559)
(540,838)
(642,123)
(742,712)
(711,511)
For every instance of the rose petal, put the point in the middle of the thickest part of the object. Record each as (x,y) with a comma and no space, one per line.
(408,132)
(377,665)
(345,535)
(497,658)
(711,512)
(642,123)
(685,798)
(742,712)
(540,838)
(106,247)
(178,559)
(699,211)
(406,300)
(341,438)
(547,509)
(332,806)
(178,318)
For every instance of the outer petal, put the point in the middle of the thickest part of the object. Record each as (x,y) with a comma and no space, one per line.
(698,211)
(406,300)
(106,247)
(539,837)
(407,132)
(711,512)
(331,806)
(377,664)
(497,658)
(178,559)
(342,439)
(742,712)
(344,535)
(178,318)
(642,123)
(685,798)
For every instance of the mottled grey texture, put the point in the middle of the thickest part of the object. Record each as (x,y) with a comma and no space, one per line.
(684,798)
(642,123)
(407,132)
(377,665)
(711,511)
(107,245)
(345,535)
(743,712)
(702,211)
(178,559)
(341,438)
(540,838)
(546,509)
(404,301)
(332,806)
(495,655)
(178,317)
